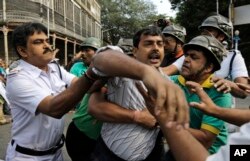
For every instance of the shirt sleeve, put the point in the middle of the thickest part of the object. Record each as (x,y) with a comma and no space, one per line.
(178,63)
(66,76)
(214,124)
(22,92)
(239,67)
(98,71)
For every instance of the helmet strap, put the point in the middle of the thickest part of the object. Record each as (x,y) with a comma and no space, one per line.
(175,48)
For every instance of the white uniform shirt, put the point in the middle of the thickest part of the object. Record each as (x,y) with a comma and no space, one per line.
(26,87)
(238,67)
(238,138)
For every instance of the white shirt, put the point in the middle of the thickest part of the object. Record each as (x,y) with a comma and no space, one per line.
(238,67)
(26,87)
(130,142)
(3,92)
(238,138)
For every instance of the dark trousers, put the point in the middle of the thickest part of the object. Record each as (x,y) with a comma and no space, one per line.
(79,146)
(102,152)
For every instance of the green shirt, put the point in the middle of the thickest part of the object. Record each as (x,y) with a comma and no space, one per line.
(85,122)
(78,69)
(199,120)
(82,120)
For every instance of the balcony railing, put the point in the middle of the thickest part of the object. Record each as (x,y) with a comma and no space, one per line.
(73,22)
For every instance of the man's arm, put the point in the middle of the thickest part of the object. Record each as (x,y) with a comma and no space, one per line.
(208,106)
(170,70)
(205,137)
(165,92)
(236,91)
(238,73)
(182,144)
(106,111)
(57,106)
(223,85)
(175,67)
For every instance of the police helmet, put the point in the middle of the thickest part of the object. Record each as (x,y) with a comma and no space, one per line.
(179,32)
(126,45)
(219,22)
(91,42)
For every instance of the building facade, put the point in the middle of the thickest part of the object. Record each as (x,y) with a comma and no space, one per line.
(69,22)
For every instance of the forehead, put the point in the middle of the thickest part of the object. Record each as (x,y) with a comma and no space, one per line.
(195,52)
(38,35)
(151,38)
(168,37)
(85,48)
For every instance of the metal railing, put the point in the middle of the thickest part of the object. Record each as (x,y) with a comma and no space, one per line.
(72,23)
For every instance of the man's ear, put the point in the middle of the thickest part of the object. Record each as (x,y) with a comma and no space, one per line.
(134,51)
(221,37)
(209,68)
(22,51)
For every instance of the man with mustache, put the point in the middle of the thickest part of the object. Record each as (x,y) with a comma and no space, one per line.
(38,98)
(129,132)
(203,55)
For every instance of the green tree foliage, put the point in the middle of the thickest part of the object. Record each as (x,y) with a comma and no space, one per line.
(121,18)
(193,12)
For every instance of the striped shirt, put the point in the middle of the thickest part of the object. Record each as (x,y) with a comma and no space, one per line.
(130,142)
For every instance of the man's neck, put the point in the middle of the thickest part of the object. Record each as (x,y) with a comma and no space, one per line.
(179,53)
(199,79)
(203,78)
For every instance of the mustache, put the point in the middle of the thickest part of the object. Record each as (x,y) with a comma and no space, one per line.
(154,54)
(48,50)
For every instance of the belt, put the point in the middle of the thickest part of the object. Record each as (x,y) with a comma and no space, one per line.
(33,152)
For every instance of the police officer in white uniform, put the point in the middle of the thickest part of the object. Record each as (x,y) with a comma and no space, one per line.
(33,88)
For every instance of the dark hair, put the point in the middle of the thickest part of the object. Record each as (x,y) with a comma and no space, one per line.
(21,33)
(151,30)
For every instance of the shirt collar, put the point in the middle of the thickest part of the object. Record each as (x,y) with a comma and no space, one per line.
(33,70)
(206,84)
(179,54)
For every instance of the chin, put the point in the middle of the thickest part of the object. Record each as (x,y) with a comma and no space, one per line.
(49,60)
(155,65)
(184,74)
